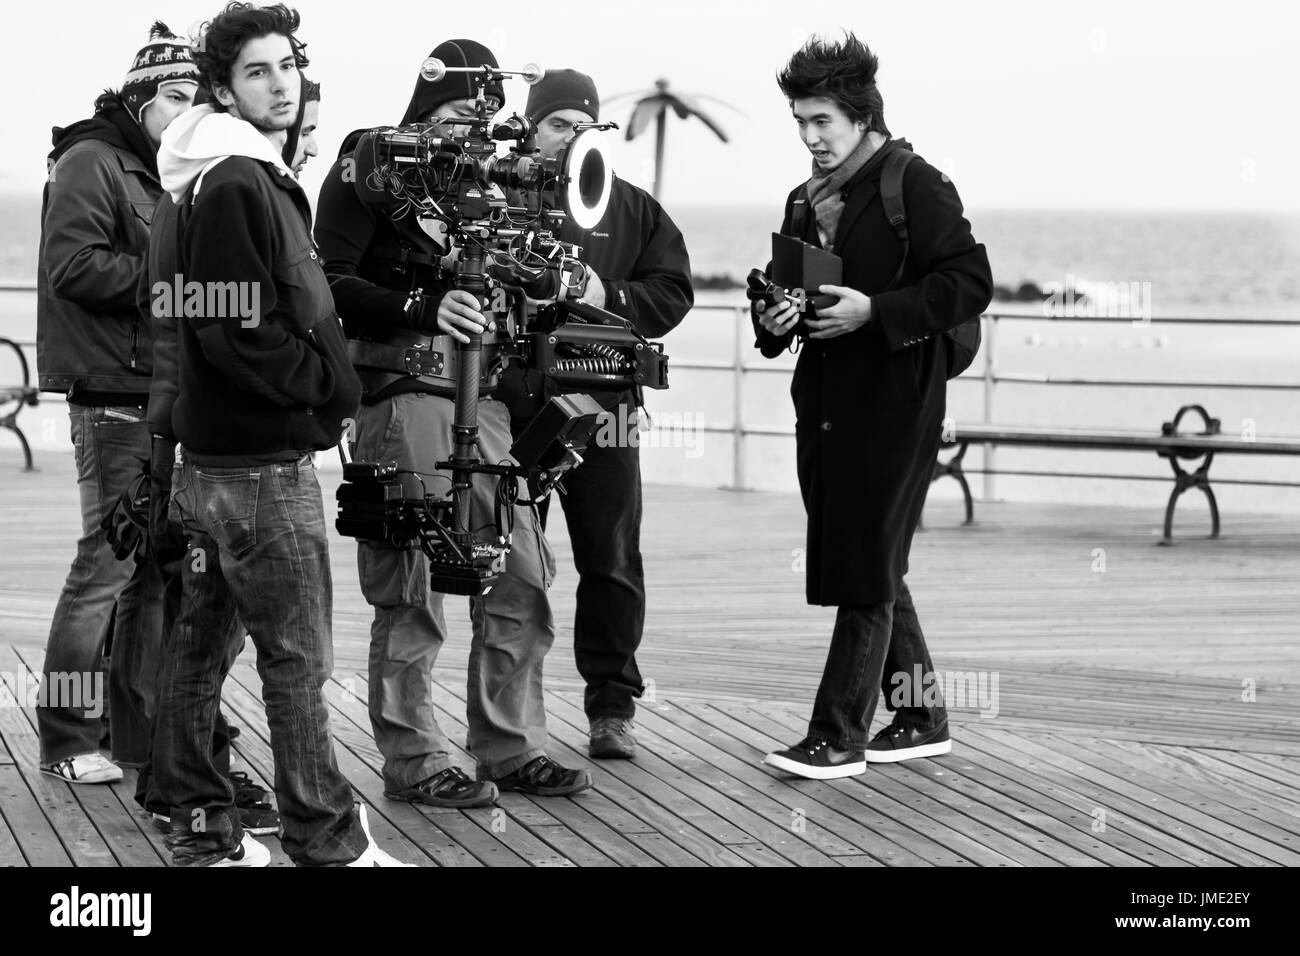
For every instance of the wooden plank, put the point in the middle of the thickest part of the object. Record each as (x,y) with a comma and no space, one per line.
(546,813)
(1257,776)
(10,853)
(1233,801)
(956,775)
(691,817)
(772,827)
(955,826)
(1178,802)
(1119,797)
(876,834)
(1133,835)
(243,696)
(497,836)
(92,822)
(1050,808)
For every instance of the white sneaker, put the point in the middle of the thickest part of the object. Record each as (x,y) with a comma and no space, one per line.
(372,855)
(85,768)
(249,853)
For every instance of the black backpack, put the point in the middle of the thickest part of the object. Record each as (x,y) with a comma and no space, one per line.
(964,341)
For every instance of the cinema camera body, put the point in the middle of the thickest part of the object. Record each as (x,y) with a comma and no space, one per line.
(502,223)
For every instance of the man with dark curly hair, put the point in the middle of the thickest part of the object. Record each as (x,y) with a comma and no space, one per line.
(869,392)
(260,388)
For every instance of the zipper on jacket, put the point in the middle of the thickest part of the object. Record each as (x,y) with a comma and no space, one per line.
(311,337)
(135,335)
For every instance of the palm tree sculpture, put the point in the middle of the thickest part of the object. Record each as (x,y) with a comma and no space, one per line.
(654,104)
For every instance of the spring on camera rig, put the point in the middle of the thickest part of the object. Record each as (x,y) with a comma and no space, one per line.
(598,365)
(600,360)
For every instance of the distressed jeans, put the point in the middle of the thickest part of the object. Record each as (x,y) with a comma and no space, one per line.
(109,444)
(258,555)
(875,649)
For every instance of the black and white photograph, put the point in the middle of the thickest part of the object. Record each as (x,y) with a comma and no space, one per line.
(651,435)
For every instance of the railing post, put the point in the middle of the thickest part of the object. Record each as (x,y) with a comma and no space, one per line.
(738,391)
(990,384)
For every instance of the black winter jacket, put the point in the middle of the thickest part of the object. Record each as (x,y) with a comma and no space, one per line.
(92,343)
(283,385)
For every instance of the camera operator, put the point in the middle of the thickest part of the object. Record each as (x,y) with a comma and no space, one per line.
(376,258)
(869,392)
(640,271)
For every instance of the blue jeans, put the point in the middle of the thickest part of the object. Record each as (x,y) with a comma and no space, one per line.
(258,554)
(109,444)
(870,646)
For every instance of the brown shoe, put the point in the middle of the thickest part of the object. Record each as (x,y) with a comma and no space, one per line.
(611,739)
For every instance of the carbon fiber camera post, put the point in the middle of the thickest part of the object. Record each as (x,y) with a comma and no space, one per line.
(502,213)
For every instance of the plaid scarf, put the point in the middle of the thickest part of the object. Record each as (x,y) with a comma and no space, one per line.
(826,189)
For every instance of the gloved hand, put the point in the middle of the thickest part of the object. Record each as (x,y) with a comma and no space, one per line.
(128,521)
(166,539)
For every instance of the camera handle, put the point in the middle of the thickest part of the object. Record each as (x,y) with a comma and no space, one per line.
(471,276)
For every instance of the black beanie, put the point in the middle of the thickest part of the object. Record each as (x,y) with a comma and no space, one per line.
(453,86)
(562,90)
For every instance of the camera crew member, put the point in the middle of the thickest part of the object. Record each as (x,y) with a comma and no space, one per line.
(640,271)
(378,259)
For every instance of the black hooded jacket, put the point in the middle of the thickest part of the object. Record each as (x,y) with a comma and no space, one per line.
(363,245)
(92,343)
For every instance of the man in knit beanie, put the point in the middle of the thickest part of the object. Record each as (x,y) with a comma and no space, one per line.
(378,256)
(95,348)
(162,72)
(640,271)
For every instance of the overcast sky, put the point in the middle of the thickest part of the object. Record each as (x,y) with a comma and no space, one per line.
(1109,105)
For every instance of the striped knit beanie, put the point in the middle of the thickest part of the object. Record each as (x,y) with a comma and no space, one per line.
(166,58)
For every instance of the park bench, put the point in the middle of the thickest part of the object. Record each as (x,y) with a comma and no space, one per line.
(1169,444)
(18,396)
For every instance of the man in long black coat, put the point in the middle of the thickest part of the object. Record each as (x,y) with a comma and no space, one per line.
(869,393)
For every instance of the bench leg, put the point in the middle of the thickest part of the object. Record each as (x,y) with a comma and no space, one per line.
(1200,478)
(953,468)
(9,423)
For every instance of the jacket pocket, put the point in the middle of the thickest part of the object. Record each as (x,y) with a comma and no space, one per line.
(904,374)
(302,289)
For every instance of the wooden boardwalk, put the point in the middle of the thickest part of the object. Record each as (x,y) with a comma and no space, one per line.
(1139,703)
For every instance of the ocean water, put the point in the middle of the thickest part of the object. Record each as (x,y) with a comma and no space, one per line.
(1220,265)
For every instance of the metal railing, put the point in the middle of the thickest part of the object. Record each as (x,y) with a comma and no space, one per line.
(987,373)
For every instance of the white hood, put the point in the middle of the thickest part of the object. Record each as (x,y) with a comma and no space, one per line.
(200,138)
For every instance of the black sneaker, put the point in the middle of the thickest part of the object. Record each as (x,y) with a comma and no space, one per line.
(817,760)
(903,742)
(256,814)
(543,777)
(611,738)
(449,788)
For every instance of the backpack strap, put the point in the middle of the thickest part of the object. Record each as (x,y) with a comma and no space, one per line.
(891,196)
(799,212)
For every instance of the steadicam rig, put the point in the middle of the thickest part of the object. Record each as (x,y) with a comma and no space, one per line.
(501,214)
